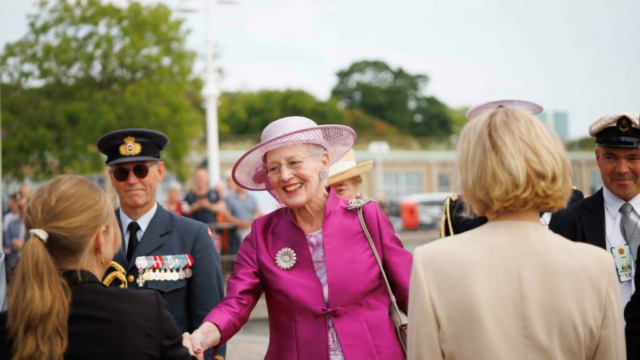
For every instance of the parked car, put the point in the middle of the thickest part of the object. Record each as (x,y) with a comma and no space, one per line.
(422,211)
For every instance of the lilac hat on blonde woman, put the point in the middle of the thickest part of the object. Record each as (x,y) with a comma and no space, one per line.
(249,171)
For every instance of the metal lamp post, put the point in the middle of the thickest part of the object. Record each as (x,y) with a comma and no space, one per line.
(210,92)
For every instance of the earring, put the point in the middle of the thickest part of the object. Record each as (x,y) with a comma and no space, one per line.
(102,261)
(324,175)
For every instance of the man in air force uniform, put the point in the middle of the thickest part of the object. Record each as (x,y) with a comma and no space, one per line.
(162,251)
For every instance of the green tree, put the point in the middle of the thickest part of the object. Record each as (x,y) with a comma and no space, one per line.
(458,118)
(250,112)
(395,96)
(86,68)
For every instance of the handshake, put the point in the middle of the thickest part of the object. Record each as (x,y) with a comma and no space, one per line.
(206,336)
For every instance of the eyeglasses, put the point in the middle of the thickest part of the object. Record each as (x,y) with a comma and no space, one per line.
(295,163)
(140,171)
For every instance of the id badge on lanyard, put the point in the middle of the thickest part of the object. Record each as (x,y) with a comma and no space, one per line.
(624,262)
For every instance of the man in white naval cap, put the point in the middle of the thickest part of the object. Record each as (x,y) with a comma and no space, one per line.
(609,218)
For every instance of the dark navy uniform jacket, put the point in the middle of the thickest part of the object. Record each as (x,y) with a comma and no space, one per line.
(188,300)
(113,323)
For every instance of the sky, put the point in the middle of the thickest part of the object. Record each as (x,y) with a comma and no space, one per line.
(582,57)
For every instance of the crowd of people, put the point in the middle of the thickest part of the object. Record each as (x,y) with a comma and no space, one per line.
(336,277)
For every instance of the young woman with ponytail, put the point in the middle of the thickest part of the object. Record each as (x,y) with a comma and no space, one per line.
(58,308)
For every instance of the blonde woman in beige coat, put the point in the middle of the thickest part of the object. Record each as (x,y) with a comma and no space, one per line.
(512,289)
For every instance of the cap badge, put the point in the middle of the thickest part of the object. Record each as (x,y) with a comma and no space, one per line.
(624,125)
(130,147)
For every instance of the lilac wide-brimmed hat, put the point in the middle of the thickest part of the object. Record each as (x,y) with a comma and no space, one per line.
(249,171)
(523,105)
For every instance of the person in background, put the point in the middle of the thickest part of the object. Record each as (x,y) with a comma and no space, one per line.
(345,176)
(204,202)
(242,209)
(3,283)
(511,289)
(13,212)
(325,293)
(632,318)
(58,307)
(25,191)
(174,203)
(13,239)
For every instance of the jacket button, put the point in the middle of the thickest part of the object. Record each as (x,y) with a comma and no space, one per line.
(130,278)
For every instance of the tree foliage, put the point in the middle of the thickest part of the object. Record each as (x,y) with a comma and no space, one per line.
(251,112)
(248,113)
(392,95)
(86,68)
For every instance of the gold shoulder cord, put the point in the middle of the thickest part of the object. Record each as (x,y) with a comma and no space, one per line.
(455,197)
(446,216)
(119,273)
(444,219)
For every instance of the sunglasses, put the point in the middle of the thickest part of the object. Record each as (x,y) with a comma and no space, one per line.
(140,171)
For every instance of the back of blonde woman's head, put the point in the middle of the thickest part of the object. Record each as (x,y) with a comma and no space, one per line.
(71,209)
(508,161)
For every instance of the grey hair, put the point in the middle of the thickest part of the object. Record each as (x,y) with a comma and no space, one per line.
(174,185)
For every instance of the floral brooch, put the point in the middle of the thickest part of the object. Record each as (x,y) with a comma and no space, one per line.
(285,258)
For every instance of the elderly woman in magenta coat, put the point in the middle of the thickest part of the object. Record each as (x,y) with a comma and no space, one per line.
(325,293)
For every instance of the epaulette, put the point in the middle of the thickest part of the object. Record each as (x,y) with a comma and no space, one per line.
(445,222)
(118,273)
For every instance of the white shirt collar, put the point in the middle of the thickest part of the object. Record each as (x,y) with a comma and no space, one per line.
(613,203)
(143,221)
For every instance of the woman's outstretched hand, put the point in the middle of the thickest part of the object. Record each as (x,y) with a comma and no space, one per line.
(206,336)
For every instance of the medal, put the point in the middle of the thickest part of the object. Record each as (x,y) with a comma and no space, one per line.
(172,264)
(140,266)
(188,272)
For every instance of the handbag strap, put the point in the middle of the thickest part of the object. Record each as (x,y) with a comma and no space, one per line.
(358,204)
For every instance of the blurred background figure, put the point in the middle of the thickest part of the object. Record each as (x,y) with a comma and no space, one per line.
(14,236)
(242,209)
(174,202)
(25,191)
(204,202)
(58,306)
(632,318)
(508,289)
(346,175)
(12,212)
(3,283)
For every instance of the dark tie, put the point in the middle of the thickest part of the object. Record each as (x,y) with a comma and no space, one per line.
(629,229)
(133,238)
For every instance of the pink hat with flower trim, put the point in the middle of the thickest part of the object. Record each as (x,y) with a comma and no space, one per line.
(249,171)
(523,105)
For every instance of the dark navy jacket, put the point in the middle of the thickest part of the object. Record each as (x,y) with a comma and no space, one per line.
(188,300)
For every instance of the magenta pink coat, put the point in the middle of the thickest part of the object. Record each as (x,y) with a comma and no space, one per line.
(358,300)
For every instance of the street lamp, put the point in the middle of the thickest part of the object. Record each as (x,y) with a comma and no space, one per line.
(378,148)
(210,92)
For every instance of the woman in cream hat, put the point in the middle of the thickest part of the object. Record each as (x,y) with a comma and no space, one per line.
(325,293)
(345,175)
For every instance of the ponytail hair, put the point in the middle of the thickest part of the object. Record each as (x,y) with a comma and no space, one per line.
(71,210)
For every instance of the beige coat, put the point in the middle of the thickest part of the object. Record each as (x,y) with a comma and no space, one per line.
(514,290)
